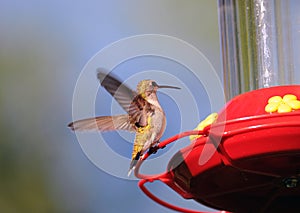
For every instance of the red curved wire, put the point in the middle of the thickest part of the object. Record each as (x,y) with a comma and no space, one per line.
(164,176)
(160,146)
(164,203)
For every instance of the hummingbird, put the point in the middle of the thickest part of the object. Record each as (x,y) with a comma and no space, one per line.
(144,116)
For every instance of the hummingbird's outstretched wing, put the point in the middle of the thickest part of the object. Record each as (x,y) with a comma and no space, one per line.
(122,93)
(103,123)
(135,105)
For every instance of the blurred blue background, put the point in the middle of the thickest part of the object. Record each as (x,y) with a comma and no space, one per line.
(43,47)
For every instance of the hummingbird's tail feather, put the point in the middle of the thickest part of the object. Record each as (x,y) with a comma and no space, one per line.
(134,162)
(130,171)
(103,123)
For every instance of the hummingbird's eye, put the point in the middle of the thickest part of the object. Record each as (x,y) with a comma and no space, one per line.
(154,84)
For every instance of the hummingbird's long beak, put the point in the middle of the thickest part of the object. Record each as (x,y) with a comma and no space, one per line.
(165,86)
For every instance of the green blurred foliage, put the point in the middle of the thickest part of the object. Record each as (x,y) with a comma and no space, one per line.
(43,48)
(23,179)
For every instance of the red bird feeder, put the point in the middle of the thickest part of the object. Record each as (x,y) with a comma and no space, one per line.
(256,166)
(252,150)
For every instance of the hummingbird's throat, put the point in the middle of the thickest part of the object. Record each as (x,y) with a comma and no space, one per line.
(146,94)
(144,129)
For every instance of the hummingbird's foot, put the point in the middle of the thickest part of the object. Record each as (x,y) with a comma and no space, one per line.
(153,149)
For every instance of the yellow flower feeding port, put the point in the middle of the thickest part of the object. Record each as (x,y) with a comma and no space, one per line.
(278,104)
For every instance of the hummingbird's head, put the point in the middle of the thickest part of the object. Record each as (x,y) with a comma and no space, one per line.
(146,87)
